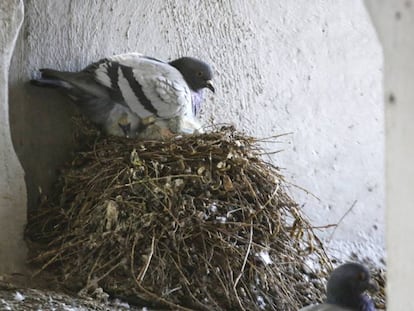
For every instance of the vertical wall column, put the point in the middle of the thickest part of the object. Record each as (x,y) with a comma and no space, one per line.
(394,21)
(12,186)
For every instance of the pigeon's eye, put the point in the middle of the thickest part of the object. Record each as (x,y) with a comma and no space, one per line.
(362,276)
(199,74)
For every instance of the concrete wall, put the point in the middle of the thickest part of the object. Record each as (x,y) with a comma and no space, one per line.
(12,192)
(312,68)
(394,21)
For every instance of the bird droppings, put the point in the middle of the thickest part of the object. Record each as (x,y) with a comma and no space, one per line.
(41,300)
(261,303)
(221,219)
(5,305)
(265,257)
(118,221)
(18,296)
(213,208)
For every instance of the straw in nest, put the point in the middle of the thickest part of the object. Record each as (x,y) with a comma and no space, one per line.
(198,222)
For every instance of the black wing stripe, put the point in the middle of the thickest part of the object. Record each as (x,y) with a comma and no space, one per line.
(137,88)
(112,69)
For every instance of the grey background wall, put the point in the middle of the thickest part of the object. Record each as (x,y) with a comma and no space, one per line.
(310,68)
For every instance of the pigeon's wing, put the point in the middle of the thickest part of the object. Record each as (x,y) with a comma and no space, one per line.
(132,59)
(78,85)
(324,307)
(147,85)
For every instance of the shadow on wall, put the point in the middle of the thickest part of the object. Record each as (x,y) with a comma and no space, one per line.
(41,129)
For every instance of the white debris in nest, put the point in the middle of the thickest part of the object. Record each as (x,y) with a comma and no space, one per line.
(261,303)
(265,257)
(213,208)
(221,219)
(99,294)
(19,297)
(111,214)
(311,265)
(5,305)
(178,182)
(122,304)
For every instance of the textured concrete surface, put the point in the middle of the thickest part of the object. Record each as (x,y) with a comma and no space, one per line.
(12,191)
(394,21)
(310,68)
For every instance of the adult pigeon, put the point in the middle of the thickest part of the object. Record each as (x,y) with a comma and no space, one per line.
(170,94)
(345,290)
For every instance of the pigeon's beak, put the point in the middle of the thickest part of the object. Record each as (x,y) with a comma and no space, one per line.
(126,129)
(210,86)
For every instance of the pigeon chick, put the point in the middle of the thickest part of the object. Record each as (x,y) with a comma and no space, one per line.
(345,290)
(94,101)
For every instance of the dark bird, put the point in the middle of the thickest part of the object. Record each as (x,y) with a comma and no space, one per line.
(345,290)
(137,88)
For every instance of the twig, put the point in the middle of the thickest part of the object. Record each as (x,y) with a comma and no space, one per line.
(341,219)
(141,275)
(304,190)
(243,265)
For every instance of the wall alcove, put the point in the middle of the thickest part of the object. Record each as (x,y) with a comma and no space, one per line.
(314,69)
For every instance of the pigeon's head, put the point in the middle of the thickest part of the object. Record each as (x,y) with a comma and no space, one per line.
(347,284)
(131,125)
(196,73)
(126,127)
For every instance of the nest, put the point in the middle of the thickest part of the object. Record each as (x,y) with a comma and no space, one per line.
(380,299)
(196,222)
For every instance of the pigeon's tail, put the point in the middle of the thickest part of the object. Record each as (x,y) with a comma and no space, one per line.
(79,86)
(51,78)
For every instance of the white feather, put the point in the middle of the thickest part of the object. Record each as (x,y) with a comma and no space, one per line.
(102,75)
(127,59)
